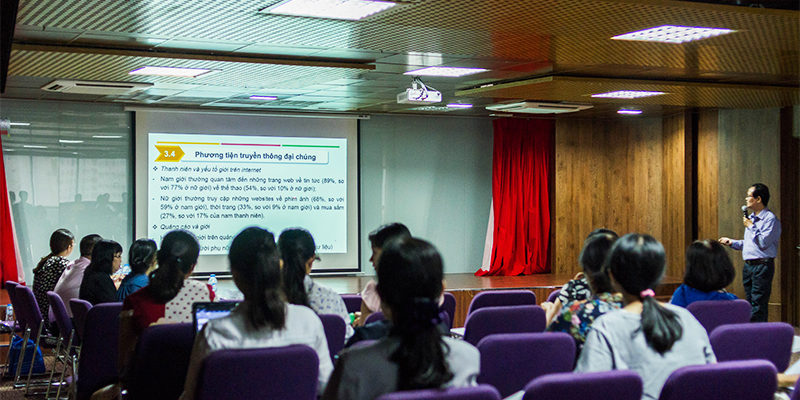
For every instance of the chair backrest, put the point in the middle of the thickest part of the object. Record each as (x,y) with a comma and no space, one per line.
(62,317)
(352,302)
(553,296)
(771,341)
(28,309)
(480,392)
(512,319)
(528,355)
(99,349)
(751,380)
(449,307)
(617,385)
(335,330)
(11,289)
(498,298)
(80,308)
(375,317)
(796,392)
(713,313)
(160,362)
(281,372)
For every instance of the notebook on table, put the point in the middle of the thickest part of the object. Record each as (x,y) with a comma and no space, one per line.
(205,311)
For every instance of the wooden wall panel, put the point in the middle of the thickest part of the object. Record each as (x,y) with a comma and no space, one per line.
(749,149)
(790,215)
(708,175)
(676,181)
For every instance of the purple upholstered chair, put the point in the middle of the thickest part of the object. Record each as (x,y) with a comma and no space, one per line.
(553,295)
(34,330)
(68,344)
(512,319)
(375,317)
(510,361)
(280,373)
(15,327)
(751,380)
(160,362)
(449,307)
(480,392)
(99,349)
(616,385)
(80,308)
(335,330)
(498,298)
(713,313)
(771,341)
(352,302)
(796,391)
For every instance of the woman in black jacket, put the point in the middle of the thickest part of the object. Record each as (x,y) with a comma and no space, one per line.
(97,286)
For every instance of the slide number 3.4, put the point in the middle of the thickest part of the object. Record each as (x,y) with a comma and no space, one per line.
(168,154)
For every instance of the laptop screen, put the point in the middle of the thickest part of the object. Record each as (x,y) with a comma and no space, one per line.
(204,312)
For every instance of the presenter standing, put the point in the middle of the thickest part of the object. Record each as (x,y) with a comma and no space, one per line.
(759,249)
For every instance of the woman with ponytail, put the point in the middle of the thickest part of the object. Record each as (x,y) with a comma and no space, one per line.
(648,337)
(51,266)
(142,260)
(416,354)
(170,294)
(298,253)
(263,319)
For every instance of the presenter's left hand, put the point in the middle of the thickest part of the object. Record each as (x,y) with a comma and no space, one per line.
(747,223)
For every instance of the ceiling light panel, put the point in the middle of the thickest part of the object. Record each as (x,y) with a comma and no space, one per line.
(170,71)
(451,72)
(334,9)
(459,105)
(673,34)
(629,112)
(627,94)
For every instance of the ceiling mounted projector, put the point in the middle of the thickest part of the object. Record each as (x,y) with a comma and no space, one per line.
(418,93)
(538,107)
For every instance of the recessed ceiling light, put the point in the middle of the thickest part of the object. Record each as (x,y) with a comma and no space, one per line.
(629,112)
(336,9)
(107,136)
(673,34)
(445,71)
(627,94)
(459,105)
(31,146)
(263,97)
(19,123)
(69,141)
(170,71)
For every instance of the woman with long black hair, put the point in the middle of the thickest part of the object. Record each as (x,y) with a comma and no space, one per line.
(97,286)
(263,319)
(51,266)
(298,252)
(142,259)
(648,337)
(416,354)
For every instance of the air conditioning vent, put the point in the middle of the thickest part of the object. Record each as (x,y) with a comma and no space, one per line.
(532,107)
(97,88)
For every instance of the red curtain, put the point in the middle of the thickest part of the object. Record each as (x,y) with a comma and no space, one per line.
(520,190)
(8,246)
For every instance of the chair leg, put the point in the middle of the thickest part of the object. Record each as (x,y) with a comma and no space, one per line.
(7,366)
(67,357)
(33,357)
(18,371)
(53,369)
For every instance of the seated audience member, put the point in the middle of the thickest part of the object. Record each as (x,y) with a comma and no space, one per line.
(49,269)
(647,337)
(708,271)
(298,253)
(142,260)
(263,319)
(371,301)
(577,289)
(69,285)
(97,286)
(415,355)
(576,317)
(170,294)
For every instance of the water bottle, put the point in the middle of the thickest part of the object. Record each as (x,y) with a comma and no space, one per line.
(9,313)
(212,281)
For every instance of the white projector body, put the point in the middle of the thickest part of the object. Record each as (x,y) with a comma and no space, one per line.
(419,96)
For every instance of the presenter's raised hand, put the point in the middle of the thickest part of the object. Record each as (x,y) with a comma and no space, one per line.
(726,241)
(747,223)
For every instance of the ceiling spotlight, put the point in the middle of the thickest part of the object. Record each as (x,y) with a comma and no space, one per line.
(170,71)
(335,9)
(629,112)
(627,94)
(451,72)
(673,34)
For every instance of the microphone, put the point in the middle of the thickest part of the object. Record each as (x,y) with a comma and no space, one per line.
(744,211)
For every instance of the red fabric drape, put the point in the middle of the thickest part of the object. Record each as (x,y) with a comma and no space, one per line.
(520,191)
(8,246)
